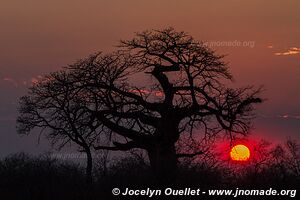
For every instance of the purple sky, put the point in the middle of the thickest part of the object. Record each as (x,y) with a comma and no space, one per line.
(261,39)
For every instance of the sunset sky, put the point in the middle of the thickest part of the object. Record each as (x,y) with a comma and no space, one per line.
(260,38)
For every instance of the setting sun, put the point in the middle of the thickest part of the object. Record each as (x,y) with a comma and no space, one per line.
(240,153)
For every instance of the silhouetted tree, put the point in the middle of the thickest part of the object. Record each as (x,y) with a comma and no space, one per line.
(293,148)
(183,89)
(55,104)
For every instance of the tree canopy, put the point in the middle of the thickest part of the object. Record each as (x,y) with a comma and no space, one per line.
(103,102)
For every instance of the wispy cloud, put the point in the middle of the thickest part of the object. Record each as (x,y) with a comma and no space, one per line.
(11,80)
(147,92)
(280,116)
(290,51)
(20,82)
(287,116)
(34,81)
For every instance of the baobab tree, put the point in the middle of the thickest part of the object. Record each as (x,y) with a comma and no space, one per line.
(152,90)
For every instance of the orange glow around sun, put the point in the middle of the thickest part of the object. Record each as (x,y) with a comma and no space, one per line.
(240,153)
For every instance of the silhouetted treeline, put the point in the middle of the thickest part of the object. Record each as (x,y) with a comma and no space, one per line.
(27,177)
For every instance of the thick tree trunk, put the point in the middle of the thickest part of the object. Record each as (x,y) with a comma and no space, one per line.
(89,166)
(163,162)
